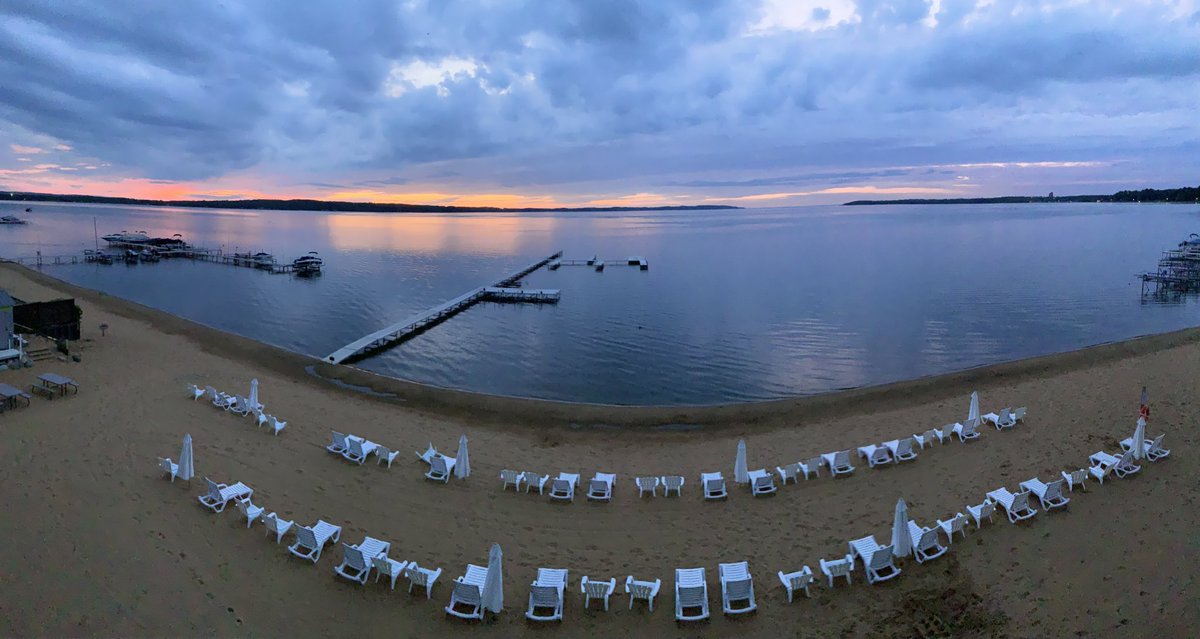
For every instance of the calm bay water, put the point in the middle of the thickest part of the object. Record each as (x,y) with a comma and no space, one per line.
(737,305)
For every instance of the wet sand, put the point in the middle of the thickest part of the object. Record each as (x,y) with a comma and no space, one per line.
(98,544)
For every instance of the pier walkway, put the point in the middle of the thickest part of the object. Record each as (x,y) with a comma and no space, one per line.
(503,291)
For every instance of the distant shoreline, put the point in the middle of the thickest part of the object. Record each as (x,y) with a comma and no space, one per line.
(1185,195)
(336,206)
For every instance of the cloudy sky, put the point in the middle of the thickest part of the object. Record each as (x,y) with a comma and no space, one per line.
(498,102)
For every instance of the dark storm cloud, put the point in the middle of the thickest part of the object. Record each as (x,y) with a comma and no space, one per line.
(529,95)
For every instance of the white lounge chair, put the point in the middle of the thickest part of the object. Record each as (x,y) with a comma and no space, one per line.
(358,449)
(1050,495)
(428,455)
(875,455)
(169,467)
(901,449)
(838,568)
(967,431)
(546,593)
(928,438)
(838,462)
(240,406)
(278,526)
(1075,478)
(761,482)
(511,478)
(691,593)
(385,454)
(790,471)
(223,401)
(877,560)
(644,590)
(248,509)
(533,480)
(440,468)
(467,592)
(736,585)
(672,482)
(811,467)
(593,589)
(956,524)
(468,596)
(646,484)
(799,580)
(1004,420)
(357,560)
(311,541)
(714,485)
(421,578)
(1122,466)
(196,391)
(925,543)
(355,564)
(601,486)
(219,495)
(337,442)
(385,565)
(1153,449)
(562,488)
(1015,504)
(211,393)
(982,511)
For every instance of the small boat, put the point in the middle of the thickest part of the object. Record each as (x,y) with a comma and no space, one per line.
(263,260)
(125,237)
(308,264)
(149,255)
(12,219)
(131,256)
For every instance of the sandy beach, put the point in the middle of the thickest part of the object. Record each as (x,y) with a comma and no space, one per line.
(99,544)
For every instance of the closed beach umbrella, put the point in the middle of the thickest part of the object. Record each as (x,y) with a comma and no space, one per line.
(187,467)
(462,467)
(1145,399)
(493,585)
(1139,439)
(901,544)
(254,392)
(973,413)
(740,475)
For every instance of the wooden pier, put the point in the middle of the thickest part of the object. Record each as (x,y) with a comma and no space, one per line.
(503,291)
(599,264)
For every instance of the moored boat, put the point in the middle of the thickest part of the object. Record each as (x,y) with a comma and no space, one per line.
(308,264)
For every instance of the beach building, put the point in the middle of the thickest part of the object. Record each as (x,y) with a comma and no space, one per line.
(9,340)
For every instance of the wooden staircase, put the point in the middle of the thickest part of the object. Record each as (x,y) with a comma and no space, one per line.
(40,354)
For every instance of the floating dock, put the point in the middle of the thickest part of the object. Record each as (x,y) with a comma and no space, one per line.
(503,291)
(599,264)
(1178,272)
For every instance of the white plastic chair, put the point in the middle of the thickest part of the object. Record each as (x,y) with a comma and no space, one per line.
(811,467)
(925,543)
(421,578)
(1153,449)
(276,424)
(260,418)
(1075,478)
(547,593)
(691,593)
(1050,495)
(646,484)
(277,526)
(1016,505)
(511,478)
(878,561)
(875,455)
(534,480)
(926,438)
(593,589)
(337,442)
(385,565)
(956,524)
(644,590)
(169,467)
(428,455)
(799,580)
(714,485)
(601,486)
(385,454)
(219,495)
(672,482)
(248,509)
(736,585)
(838,568)
(982,511)
(440,468)
(790,471)
(1122,466)
(196,391)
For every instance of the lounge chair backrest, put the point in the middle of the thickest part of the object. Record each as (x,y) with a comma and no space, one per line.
(1054,490)
(905,446)
(1005,415)
(1020,501)
(1155,445)
(714,484)
(305,537)
(880,453)
(1126,460)
(561,486)
(437,465)
(841,458)
(354,556)
(466,593)
(881,557)
(337,439)
(544,596)
(355,447)
(691,596)
(928,539)
(214,490)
